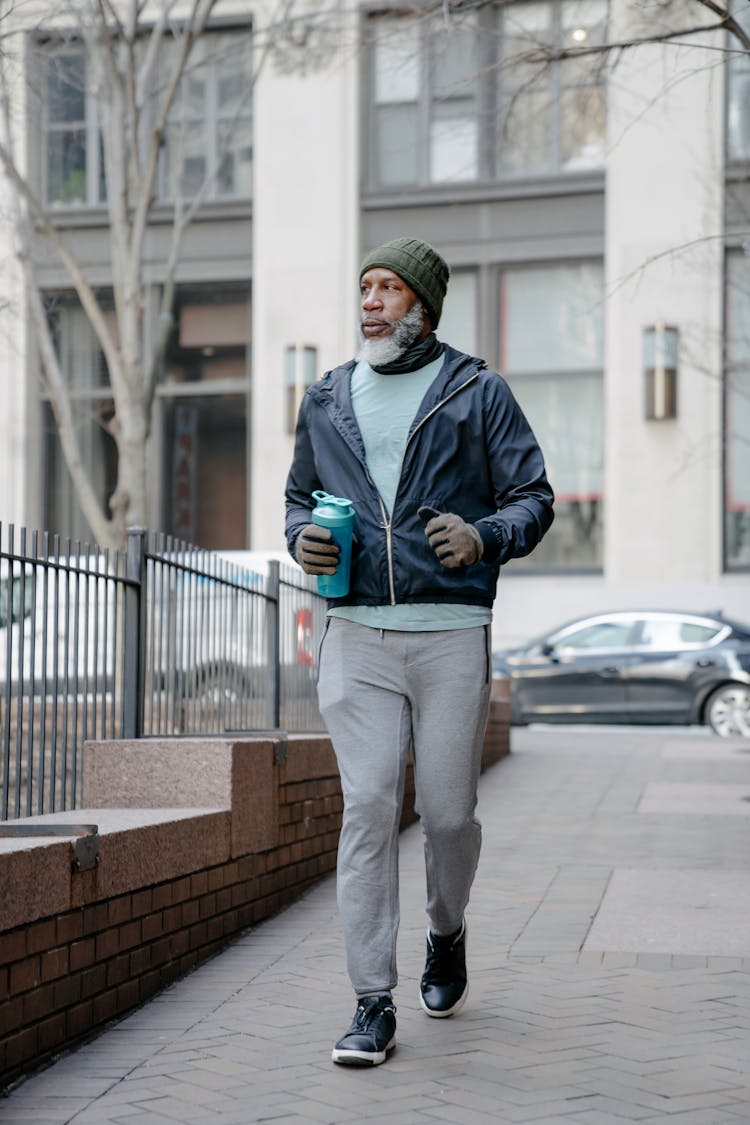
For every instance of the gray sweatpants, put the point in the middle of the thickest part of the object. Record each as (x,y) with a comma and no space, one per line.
(382,692)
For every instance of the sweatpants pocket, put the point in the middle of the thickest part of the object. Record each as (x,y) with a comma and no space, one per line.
(320,649)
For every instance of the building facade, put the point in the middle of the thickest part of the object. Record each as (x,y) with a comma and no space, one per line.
(595,212)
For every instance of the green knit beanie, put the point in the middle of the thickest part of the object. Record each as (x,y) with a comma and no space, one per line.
(421,267)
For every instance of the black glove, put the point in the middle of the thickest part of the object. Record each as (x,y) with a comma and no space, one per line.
(315,550)
(455,542)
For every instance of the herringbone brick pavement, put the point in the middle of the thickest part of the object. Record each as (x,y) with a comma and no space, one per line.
(557,1028)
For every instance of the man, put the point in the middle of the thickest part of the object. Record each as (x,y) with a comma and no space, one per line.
(447,483)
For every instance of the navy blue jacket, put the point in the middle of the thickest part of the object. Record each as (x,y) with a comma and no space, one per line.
(470,451)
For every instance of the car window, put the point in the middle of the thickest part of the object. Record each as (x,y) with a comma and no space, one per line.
(672,633)
(11,610)
(692,632)
(602,634)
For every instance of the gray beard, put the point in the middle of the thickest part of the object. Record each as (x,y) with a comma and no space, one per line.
(405,331)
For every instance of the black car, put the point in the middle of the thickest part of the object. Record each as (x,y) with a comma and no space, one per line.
(634,667)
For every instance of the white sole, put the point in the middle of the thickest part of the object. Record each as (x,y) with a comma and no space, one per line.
(449,1011)
(362,1058)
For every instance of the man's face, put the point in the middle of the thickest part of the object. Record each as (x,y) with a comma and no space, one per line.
(386,299)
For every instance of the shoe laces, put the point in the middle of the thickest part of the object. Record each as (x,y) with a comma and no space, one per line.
(370,1007)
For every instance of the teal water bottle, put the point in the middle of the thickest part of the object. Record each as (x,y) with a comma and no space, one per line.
(337,515)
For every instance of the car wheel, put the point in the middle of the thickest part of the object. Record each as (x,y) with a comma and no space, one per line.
(728,710)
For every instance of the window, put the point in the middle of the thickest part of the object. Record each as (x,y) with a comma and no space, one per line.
(74,165)
(693,633)
(738,117)
(85,370)
(458,321)
(300,372)
(199,430)
(203,470)
(210,126)
(63,513)
(737,415)
(602,634)
(552,117)
(551,351)
(425,95)
(203,408)
(209,134)
(466,101)
(669,633)
(15,601)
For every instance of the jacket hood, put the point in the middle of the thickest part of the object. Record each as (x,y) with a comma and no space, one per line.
(455,364)
(334,388)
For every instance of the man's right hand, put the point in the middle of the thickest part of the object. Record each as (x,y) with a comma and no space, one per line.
(316,551)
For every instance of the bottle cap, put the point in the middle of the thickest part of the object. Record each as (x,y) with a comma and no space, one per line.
(326,498)
(333,509)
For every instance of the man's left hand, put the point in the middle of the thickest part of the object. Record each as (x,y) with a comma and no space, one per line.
(455,542)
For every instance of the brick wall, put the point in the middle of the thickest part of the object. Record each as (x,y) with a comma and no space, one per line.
(64,973)
(62,976)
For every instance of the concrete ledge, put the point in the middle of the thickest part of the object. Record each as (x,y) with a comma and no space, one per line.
(138,847)
(236,774)
(307,755)
(138,850)
(34,878)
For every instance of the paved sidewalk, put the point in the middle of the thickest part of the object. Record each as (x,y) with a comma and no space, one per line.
(609,950)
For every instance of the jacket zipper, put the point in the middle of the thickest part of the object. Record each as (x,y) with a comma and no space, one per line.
(386,525)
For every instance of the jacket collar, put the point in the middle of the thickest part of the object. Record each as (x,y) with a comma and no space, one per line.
(333,393)
(457,369)
(334,389)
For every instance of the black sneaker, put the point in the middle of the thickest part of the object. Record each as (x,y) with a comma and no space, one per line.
(372,1034)
(444,987)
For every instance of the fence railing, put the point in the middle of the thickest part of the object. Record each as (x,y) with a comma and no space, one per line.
(162,639)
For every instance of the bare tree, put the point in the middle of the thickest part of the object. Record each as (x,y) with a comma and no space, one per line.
(656,30)
(135,70)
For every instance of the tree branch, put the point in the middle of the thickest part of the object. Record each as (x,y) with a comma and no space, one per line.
(156,36)
(731,24)
(85,293)
(195,25)
(63,411)
(558,54)
(184,218)
(102,56)
(52,374)
(669,252)
(714,7)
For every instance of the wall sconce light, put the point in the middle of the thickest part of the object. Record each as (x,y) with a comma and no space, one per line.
(300,370)
(660,346)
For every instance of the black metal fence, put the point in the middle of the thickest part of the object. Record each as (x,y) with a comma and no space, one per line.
(162,639)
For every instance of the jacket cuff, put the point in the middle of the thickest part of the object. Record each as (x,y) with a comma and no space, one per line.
(492,538)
